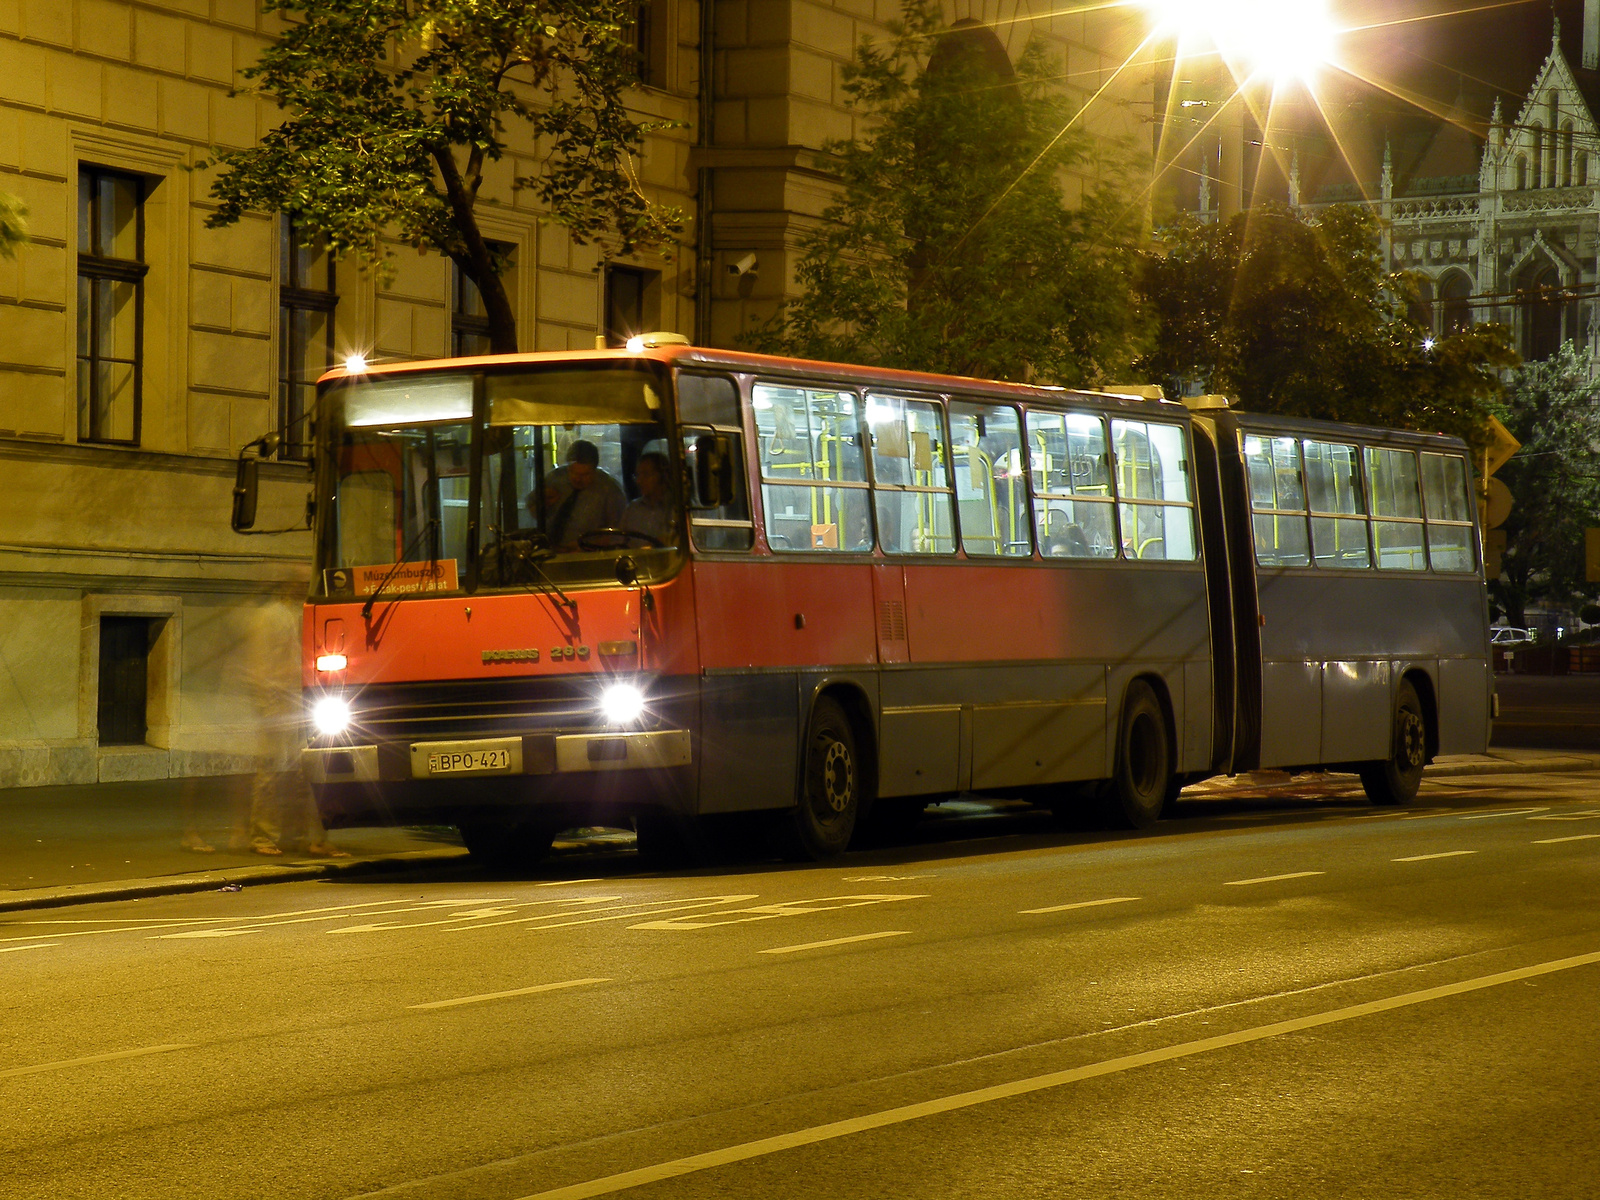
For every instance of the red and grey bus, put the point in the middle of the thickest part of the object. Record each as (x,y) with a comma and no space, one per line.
(859,588)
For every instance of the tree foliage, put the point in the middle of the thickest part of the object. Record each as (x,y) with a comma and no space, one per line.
(951,245)
(1296,315)
(13,226)
(1553,409)
(396,108)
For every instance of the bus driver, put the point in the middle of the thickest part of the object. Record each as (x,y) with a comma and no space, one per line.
(581,498)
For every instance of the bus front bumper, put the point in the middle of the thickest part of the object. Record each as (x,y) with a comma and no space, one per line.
(484,758)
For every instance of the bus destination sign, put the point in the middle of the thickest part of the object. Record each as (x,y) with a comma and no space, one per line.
(408,579)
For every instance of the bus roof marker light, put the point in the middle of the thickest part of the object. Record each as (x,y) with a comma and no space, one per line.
(634,344)
(355,364)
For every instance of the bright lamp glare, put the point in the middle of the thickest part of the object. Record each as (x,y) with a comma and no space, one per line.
(1284,39)
(621,703)
(634,344)
(356,364)
(331,715)
(332,662)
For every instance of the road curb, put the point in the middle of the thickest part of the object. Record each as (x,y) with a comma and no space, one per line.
(212,881)
(1554,764)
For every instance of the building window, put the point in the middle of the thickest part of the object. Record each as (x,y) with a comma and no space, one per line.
(306,299)
(124,680)
(1455,297)
(1566,155)
(1542,301)
(641,33)
(469,316)
(628,296)
(111,272)
(1538,157)
(1522,173)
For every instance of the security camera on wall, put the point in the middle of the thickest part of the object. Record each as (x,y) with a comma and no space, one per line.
(744,266)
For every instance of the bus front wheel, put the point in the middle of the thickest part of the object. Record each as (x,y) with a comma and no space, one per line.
(1395,780)
(1134,797)
(820,825)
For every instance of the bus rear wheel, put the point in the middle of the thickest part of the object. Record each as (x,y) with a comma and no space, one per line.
(1136,795)
(1395,780)
(820,826)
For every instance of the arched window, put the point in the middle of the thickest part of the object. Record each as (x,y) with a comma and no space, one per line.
(1580,169)
(1455,303)
(1522,172)
(1566,154)
(1539,298)
(1420,309)
(1538,157)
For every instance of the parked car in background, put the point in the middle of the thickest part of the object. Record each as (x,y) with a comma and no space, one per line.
(1506,635)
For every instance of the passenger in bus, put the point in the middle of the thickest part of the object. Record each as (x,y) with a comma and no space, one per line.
(582,498)
(651,513)
(1070,542)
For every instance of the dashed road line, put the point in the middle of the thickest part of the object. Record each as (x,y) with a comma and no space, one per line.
(843,941)
(1577,837)
(87,1060)
(1272,878)
(527,991)
(35,946)
(1427,857)
(1515,812)
(1055,908)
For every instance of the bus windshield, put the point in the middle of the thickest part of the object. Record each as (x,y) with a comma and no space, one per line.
(577,470)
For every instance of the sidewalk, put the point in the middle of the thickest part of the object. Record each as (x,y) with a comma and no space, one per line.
(113,841)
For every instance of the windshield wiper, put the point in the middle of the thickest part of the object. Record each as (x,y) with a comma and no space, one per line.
(427,528)
(531,555)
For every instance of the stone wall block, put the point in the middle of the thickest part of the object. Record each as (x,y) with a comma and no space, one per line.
(75,87)
(767,121)
(233,119)
(241,14)
(105,29)
(394,327)
(822,28)
(158,42)
(33,404)
(131,99)
(771,22)
(253,303)
(418,276)
(210,54)
(210,299)
(185,110)
(248,420)
(566,297)
(209,423)
(25,70)
(733,19)
(430,331)
(221,360)
(812,74)
(761,72)
(47,21)
(44,274)
(35,337)
(44,147)
(47,201)
(248,245)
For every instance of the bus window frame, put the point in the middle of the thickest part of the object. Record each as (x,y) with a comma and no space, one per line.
(1185,430)
(1020,412)
(940,403)
(749,472)
(809,383)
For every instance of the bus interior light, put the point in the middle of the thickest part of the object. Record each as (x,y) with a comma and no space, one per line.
(621,704)
(331,715)
(332,662)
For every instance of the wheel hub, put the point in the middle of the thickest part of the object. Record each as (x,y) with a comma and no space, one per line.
(838,777)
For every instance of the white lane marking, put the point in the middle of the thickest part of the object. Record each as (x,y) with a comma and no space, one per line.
(1272,878)
(64,1064)
(1080,904)
(1427,857)
(882,878)
(860,937)
(1424,814)
(567,882)
(1038,1083)
(1514,812)
(617,912)
(455,918)
(1577,837)
(1583,814)
(527,991)
(771,912)
(35,946)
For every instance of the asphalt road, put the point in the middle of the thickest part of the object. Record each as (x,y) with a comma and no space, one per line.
(1286,994)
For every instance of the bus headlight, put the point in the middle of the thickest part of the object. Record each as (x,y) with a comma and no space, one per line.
(331,715)
(621,704)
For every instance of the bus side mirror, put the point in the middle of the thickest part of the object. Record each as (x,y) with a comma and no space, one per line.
(245,485)
(713,470)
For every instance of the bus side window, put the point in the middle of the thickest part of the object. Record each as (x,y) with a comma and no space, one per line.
(813,470)
(1072,485)
(1444,491)
(910,475)
(1396,507)
(1338,513)
(991,489)
(1277,501)
(728,526)
(1156,501)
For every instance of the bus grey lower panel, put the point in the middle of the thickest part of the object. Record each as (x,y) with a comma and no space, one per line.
(1291,714)
(1463,705)
(1014,745)
(747,741)
(1356,711)
(920,751)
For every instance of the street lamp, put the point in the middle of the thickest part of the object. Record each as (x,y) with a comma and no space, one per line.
(1284,41)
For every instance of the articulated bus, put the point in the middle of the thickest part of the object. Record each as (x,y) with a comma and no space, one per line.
(661,584)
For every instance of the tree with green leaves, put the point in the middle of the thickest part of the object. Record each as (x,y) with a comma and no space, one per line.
(1553,409)
(13,225)
(396,107)
(951,245)
(1295,314)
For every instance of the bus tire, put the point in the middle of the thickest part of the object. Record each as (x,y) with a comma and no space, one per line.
(1394,780)
(820,826)
(1136,795)
(506,845)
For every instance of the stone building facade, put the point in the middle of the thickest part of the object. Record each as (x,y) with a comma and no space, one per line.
(139,349)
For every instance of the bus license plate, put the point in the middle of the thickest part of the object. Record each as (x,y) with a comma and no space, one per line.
(470,762)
